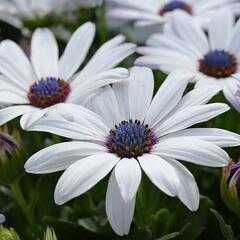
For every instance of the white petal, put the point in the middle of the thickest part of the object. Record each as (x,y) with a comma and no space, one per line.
(9,113)
(168,96)
(119,212)
(160,172)
(105,104)
(72,121)
(230,88)
(82,90)
(108,56)
(185,28)
(12,97)
(190,116)
(187,188)
(219,137)
(76,50)
(222,19)
(83,175)
(198,96)
(140,92)
(44,53)
(2,218)
(128,176)
(60,156)
(192,150)
(15,66)
(234,42)
(28,119)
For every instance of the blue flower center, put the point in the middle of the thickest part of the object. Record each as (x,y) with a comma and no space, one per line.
(174,5)
(131,139)
(218,64)
(48,92)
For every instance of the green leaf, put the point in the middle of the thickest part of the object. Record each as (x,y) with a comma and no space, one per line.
(175,234)
(226,229)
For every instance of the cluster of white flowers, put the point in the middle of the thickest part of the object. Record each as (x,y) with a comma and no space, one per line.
(118,125)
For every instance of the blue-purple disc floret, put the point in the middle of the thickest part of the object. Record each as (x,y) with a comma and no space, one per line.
(174,5)
(218,64)
(48,92)
(131,139)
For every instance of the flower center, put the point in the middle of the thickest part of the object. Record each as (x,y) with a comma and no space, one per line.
(174,5)
(48,92)
(131,139)
(218,64)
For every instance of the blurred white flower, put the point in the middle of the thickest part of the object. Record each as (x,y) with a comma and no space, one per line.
(33,87)
(214,58)
(131,132)
(151,12)
(2,218)
(15,12)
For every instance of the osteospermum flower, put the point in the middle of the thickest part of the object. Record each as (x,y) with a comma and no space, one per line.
(215,60)
(15,12)
(34,86)
(152,12)
(131,132)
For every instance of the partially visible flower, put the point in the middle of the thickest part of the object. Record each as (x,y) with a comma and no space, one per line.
(213,58)
(230,186)
(12,157)
(2,218)
(17,12)
(34,87)
(6,234)
(132,132)
(152,12)
(50,234)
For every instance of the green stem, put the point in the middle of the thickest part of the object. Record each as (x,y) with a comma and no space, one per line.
(25,207)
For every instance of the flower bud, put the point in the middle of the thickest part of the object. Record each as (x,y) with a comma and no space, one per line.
(230,186)
(8,234)
(11,157)
(50,234)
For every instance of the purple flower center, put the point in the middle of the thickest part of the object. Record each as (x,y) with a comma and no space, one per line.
(131,139)
(218,64)
(174,5)
(48,92)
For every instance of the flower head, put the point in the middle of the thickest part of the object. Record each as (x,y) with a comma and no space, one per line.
(230,186)
(130,131)
(34,87)
(212,57)
(2,218)
(152,12)
(18,12)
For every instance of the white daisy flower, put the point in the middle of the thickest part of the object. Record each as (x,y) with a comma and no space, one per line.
(214,59)
(15,12)
(152,12)
(131,132)
(34,86)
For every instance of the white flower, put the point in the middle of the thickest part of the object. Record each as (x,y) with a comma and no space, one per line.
(2,218)
(151,12)
(214,59)
(35,87)
(15,12)
(131,132)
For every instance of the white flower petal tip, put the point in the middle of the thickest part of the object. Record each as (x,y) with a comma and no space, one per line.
(119,212)
(128,176)
(83,175)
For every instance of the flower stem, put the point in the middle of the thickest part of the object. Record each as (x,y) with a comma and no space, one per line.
(25,207)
